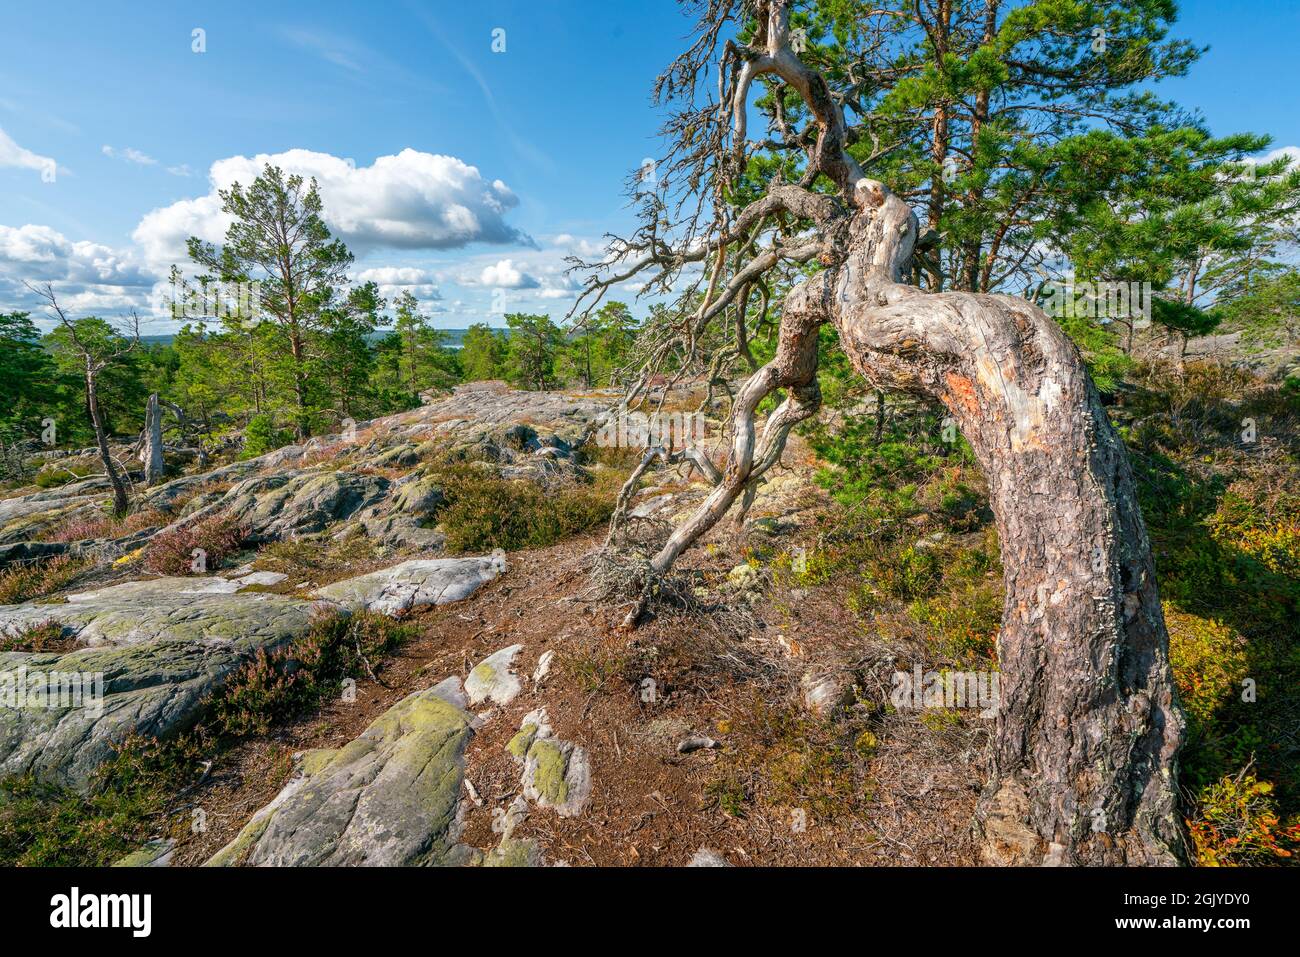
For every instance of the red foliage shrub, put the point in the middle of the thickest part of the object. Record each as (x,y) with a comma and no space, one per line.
(172,553)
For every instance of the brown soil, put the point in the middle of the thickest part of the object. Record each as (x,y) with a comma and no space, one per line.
(913,795)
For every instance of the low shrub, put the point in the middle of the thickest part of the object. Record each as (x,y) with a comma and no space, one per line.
(964,622)
(47,636)
(27,582)
(57,474)
(172,552)
(1238,825)
(281,685)
(42,825)
(484,512)
(261,436)
(101,525)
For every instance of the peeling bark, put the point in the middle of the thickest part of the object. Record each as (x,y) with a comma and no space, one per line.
(1084,763)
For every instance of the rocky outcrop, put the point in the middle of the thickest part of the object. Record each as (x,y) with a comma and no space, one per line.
(155,654)
(388,798)
(272,507)
(493,679)
(153,651)
(412,585)
(556,774)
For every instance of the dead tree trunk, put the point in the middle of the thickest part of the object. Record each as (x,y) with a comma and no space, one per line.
(120,501)
(151,452)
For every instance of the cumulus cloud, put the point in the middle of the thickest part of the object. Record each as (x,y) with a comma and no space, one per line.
(504,275)
(577,246)
(130,154)
(90,277)
(11,154)
(47,255)
(413,200)
(395,280)
(1291,152)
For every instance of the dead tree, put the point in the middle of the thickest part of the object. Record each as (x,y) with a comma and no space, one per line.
(151,448)
(95,358)
(1083,766)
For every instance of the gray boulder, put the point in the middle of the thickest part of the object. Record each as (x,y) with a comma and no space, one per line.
(131,683)
(415,584)
(388,798)
(274,507)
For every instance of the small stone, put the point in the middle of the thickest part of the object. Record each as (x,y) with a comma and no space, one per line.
(824,695)
(543,666)
(493,680)
(687,745)
(705,857)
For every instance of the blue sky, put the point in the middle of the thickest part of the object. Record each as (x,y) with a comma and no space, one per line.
(529,149)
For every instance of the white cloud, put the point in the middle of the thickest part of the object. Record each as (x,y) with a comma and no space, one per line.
(130,154)
(1292,152)
(182,170)
(576,246)
(11,154)
(396,276)
(48,255)
(505,275)
(395,280)
(413,200)
(89,277)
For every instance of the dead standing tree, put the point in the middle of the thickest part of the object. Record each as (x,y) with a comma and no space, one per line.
(1083,766)
(95,357)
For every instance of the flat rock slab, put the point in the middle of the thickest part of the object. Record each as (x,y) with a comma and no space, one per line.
(150,662)
(176,609)
(413,585)
(387,798)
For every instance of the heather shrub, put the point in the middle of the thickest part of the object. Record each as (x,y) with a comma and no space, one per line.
(172,552)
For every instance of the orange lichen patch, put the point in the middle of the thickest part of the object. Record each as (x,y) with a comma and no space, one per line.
(962,391)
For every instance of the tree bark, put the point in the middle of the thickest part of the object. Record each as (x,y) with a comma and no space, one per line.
(120,501)
(1084,765)
(151,454)
(1083,768)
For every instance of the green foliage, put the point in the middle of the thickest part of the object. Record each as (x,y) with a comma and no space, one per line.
(1267,309)
(46,826)
(531,351)
(261,436)
(1240,825)
(27,375)
(58,473)
(483,353)
(600,347)
(484,512)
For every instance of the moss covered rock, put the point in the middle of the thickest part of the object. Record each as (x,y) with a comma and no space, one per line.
(388,798)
